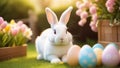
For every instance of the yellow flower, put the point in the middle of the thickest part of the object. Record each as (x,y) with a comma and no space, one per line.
(28,33)
(7,28)
(12,22)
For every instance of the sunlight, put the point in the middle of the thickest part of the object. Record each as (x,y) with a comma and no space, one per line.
(61,3)
(41,4)
(36,4)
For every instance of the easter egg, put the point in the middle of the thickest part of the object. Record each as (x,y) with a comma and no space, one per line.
(113,44)
(98,45)
(110,56)
(72,55)
(98,53)
(87,57)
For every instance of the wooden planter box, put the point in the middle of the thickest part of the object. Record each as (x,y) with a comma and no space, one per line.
(12,52)
(108,34)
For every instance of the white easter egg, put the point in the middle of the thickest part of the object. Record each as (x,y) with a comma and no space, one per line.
(87,57)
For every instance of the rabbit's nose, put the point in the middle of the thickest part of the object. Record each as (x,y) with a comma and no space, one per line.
(61,39)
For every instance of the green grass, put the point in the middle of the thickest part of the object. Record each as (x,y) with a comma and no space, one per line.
(30,61)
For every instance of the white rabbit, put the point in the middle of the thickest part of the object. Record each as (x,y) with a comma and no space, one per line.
(54,42)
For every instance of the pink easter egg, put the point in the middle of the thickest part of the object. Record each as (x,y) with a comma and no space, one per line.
(110,56)
(72,55)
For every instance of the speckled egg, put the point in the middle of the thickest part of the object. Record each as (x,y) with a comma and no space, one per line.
(87,57)
(72,55)
(98,52)
(98,45)
(110,56)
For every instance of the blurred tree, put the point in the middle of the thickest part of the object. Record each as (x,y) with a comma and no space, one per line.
(15,9)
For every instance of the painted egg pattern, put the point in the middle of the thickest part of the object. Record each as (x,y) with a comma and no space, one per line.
(110,56)
(87,57)
(98,45)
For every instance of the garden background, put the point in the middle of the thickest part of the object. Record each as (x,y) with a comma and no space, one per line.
(32,13)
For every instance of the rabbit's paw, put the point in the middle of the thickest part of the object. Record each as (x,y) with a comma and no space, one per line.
(64,58)
(39,57)
(55,61)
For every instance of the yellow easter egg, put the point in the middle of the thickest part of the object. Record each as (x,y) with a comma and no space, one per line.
(72,55)
(98,53)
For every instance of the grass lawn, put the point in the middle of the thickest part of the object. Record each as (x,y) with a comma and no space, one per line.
(30,61)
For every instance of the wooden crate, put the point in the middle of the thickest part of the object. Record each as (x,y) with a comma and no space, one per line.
(107,33)
(12,52)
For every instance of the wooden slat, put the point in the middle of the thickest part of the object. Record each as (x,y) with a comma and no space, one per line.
(99,31)
(119,34)
(12,52)
(107,33)
(114,34)
(104,43)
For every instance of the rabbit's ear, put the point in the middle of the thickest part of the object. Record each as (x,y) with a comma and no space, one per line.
(51,16)
(66,15)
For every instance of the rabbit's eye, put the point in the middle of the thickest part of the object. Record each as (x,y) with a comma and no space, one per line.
(54,31)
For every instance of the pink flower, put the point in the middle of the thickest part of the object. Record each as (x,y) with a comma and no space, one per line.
(78,12)
(3,25)
(82,6)
(92,23)
(23,28)
(110,9)
(92,9)
(87,3)
(1,20)
(110,5)
(83,15)
(94,28)
(94,17)
(110,2)
(82,22)
(14,31)
(20,23)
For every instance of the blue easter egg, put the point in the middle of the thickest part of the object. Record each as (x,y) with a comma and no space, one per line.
(87,57)
(98,45)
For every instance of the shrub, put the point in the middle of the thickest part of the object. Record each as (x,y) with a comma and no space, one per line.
(15,9)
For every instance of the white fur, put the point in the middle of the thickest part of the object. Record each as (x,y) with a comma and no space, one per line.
(51,46)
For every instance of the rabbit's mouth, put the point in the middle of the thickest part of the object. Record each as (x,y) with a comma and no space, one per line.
(61,43)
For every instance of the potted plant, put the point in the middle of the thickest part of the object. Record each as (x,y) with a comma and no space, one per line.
(13,38)
(105,18)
